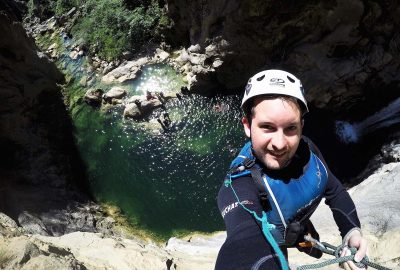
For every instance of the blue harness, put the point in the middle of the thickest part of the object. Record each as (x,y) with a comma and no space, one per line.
(293,200)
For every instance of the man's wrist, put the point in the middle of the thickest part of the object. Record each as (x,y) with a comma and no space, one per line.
(349,234)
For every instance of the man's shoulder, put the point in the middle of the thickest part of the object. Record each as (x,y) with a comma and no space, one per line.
(310,144)
(240,182)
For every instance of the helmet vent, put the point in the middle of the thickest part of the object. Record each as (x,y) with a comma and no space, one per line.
(261,78)
(290,79)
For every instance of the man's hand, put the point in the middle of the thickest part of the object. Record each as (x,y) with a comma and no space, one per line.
(354,239)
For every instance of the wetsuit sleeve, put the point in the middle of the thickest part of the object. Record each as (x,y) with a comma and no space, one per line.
(338,199)
(245,246)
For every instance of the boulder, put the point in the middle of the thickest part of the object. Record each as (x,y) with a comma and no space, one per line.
(7,222)
(183,57)
(20,251)
(132,111)
(160,55)
(115,92)
(194,48)
(94,96)
(74,55)
(32,224)
(98,252)
(128,70)
(148,106)
(53,262)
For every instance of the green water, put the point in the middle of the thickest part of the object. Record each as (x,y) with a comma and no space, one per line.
(165,183)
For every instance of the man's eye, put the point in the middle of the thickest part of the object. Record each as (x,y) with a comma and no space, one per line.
(269,127)
(292,128)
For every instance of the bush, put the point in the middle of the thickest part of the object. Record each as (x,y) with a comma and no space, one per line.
(40,8)
(60,7)
(108,27)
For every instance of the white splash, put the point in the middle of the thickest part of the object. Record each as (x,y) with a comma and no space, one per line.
(351,133)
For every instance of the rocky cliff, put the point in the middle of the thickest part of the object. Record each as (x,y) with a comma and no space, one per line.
(346,52)
(41,174)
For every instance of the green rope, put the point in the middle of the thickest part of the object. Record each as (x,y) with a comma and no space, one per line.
(266,227)
(335,251)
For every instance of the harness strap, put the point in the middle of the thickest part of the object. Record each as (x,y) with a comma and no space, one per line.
(263,194)
(266,227)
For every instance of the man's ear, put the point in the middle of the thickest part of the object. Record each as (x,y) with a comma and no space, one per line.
(246,126)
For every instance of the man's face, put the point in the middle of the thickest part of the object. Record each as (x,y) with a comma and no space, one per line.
(275,131)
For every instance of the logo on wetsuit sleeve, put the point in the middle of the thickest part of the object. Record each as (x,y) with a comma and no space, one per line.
(233,206)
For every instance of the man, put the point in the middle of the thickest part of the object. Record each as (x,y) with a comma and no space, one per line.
(282,174)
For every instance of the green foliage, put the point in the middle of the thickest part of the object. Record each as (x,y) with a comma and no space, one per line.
(132,4)
(31,8)
(60,7)
(108,27)
(40,8)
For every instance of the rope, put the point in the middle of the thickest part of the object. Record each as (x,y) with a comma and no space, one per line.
(324,247)
(335,251)
(266,227)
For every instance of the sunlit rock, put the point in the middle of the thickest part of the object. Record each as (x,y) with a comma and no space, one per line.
(160,55)
(194,48)
(132,111)
(126,71)
(74,55)
(115,92)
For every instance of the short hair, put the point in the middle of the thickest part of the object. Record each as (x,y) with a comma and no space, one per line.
(248,108)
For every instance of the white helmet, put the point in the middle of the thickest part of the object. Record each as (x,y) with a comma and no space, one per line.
(274,81)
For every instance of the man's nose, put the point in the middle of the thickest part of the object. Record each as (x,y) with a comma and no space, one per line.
(279,141)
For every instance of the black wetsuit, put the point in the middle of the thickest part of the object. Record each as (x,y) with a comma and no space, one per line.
(246,246)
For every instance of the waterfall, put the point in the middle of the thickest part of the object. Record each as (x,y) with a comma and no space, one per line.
(386,117)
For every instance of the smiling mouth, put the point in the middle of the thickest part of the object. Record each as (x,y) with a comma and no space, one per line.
(277,155)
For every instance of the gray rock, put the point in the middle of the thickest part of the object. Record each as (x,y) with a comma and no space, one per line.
(194,48)
(105,224)
(108,68)
(115,92)
(197,59)
(160,55)
(183,57)
(32,224)
(74,55)
(21,251)
(7,222)
(94,96)
(128,70)
(391,152)
(52,262)
(132,111)
(148,106)
(378,201)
